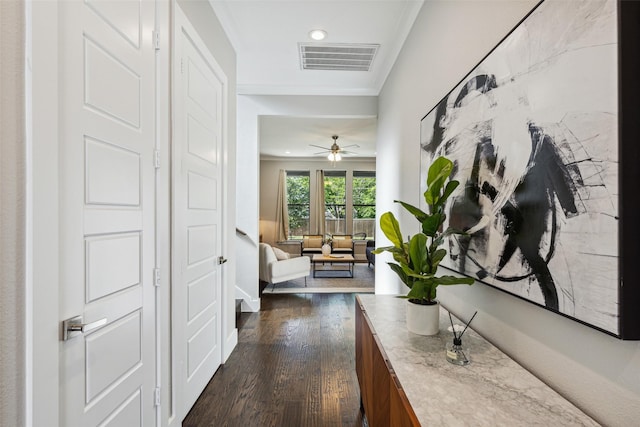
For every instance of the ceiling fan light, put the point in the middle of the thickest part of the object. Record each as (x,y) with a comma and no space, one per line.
(331,157)
(338,157)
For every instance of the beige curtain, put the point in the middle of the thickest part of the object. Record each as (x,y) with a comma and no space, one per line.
(319,203)
(282,211)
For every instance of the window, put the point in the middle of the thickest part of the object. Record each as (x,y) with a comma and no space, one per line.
(335,202)
(364,203)
(353,213)
(298,203)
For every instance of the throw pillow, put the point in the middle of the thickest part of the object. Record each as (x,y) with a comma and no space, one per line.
(280,254)
(342,243)
(313,242)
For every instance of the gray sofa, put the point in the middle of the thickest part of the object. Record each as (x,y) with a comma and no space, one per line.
(371,258)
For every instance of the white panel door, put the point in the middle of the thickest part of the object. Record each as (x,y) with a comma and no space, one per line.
(197,213)
(107,198)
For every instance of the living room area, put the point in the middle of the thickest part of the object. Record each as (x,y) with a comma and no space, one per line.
(318,208)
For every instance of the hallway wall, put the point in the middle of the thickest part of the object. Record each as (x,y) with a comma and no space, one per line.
(13,214)
(597,372)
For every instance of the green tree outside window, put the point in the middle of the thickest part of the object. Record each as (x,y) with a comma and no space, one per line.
(298,203)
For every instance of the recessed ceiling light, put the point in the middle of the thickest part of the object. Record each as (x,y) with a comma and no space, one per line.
(287,152)
(318,34)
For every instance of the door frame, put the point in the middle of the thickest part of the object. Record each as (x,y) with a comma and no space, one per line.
(43,284)
(164,12)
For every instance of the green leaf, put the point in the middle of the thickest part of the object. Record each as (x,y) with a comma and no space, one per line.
(440,168)
(432,294)
(451,231)
(384,249)
(418,253)
(423,290)
(436,257)
(452,280)
(439,172)
(419,214)
(391,228)
(419,276)
(449,189)
(431,224)
(436,242)
(419,290)
(401,274)
(401,257)
(431,195)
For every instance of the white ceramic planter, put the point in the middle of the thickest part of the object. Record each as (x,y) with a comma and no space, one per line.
(326,249)
(423,319)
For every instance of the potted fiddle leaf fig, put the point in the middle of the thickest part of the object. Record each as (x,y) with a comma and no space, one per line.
(417,260)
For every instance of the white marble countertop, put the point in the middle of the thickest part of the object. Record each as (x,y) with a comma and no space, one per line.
(491,391)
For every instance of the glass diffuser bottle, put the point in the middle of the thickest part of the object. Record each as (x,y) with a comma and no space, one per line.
(456,354)
(454,351)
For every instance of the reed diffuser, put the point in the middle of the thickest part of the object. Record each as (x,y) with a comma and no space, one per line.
(455,352)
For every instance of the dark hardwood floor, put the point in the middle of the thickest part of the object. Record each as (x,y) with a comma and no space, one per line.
(294,365)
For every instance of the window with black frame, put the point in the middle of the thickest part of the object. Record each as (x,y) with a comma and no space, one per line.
(364,204)
(335,202)
(298,203)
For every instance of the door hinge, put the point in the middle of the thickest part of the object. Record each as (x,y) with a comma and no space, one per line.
(156,396)
(156,40)
(156,277)
(156,158)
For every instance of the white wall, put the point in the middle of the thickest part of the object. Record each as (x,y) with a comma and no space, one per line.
(247,176)
(600,374)
(250,108)
(13,148)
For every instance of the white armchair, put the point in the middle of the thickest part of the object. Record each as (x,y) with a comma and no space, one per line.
(275,271)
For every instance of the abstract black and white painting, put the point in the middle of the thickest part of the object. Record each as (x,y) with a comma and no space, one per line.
(533,133)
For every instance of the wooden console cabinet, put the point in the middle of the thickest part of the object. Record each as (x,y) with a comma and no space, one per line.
(382,398)
(405,379)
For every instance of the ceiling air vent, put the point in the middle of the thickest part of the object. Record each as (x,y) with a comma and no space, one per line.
(342,57)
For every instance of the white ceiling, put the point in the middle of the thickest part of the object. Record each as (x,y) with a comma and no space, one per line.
(266,36)
(290,136)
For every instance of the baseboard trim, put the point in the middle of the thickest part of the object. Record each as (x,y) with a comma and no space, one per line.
(230,344)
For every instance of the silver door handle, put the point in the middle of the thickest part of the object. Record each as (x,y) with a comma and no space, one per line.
(73,327)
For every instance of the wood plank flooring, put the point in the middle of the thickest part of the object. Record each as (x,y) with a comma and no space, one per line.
(294,365)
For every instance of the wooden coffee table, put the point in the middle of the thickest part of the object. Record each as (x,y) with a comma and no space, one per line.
(332,260)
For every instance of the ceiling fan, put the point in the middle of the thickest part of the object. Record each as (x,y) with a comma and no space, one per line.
(335,152)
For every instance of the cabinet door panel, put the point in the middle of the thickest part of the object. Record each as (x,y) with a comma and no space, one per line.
(400,412)
(383,399)
(381,384)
